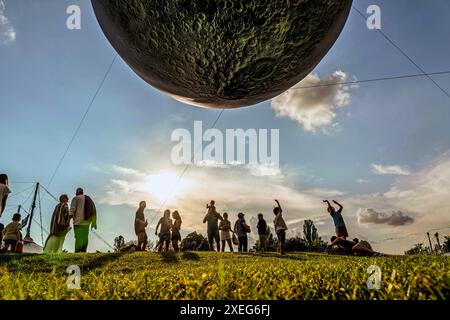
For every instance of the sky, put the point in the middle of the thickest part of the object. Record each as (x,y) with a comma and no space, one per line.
(382,148)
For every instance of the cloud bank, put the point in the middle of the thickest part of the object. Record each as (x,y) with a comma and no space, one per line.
(395,218)
(314,107)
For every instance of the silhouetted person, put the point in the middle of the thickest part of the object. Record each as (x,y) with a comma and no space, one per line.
(225,232)
(12,234)
(4,192)
(164,235)
(140,223)
(262,233)
(59,226)
(280,227)
(341,229)
(212,218)
(340,246)
(176,235)
(84,214)
(241,229)
(362,248)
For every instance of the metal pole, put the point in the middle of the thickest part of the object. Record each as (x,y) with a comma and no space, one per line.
(33,206)
(429,240)
(439,244)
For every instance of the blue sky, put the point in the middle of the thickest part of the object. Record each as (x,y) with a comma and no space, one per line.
(48,74)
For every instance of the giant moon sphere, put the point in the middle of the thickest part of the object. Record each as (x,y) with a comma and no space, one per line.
(222,53)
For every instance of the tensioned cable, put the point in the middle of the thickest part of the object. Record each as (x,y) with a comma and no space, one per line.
(81,121)
(399,49)
(372,80)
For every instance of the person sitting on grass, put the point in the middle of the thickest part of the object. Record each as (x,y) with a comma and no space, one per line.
(212,218)
(164,235)
(262,233)
(12,234)
(341,229)
(176,235)
(140,223)
(280,227)
(225,232)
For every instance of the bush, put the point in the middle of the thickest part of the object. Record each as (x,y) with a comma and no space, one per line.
(194,242)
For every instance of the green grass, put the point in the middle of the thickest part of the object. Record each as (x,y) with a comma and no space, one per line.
(198,275)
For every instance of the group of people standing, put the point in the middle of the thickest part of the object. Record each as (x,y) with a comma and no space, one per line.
(222,233)
(82,212)
(169,230)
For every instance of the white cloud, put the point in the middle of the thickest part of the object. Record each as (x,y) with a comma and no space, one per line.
(256,169)
(362,181)
(390,170)
(7,32)
(314,107)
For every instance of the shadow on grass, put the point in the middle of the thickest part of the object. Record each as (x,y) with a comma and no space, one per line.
(169,257)
(189,255)
(46,263)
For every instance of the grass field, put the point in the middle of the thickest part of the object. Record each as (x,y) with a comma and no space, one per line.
(196,275)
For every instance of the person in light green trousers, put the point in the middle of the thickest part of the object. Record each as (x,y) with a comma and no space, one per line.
(60,226)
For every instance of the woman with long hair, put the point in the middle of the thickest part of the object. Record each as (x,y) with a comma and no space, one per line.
(164,234)
(176,236)
(225,232)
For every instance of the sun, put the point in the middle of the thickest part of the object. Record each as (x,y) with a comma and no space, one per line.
(164,185)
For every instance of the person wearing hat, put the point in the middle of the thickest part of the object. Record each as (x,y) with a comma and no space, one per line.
(241,229)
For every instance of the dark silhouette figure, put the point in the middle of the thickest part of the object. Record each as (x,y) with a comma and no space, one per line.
(176,235)
(225,232)
(140,223)
(241,229)
(212,218)
(280,227)
(262,233)
(164,235)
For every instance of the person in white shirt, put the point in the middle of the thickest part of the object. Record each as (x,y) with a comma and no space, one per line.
(280,227)
(84,214)
(4,192)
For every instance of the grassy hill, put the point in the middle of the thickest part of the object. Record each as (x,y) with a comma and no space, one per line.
(195,275)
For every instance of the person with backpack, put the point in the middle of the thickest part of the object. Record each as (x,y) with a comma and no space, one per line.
(241,229)
(262,233)
(280,227)
(84,214)
(59,227)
